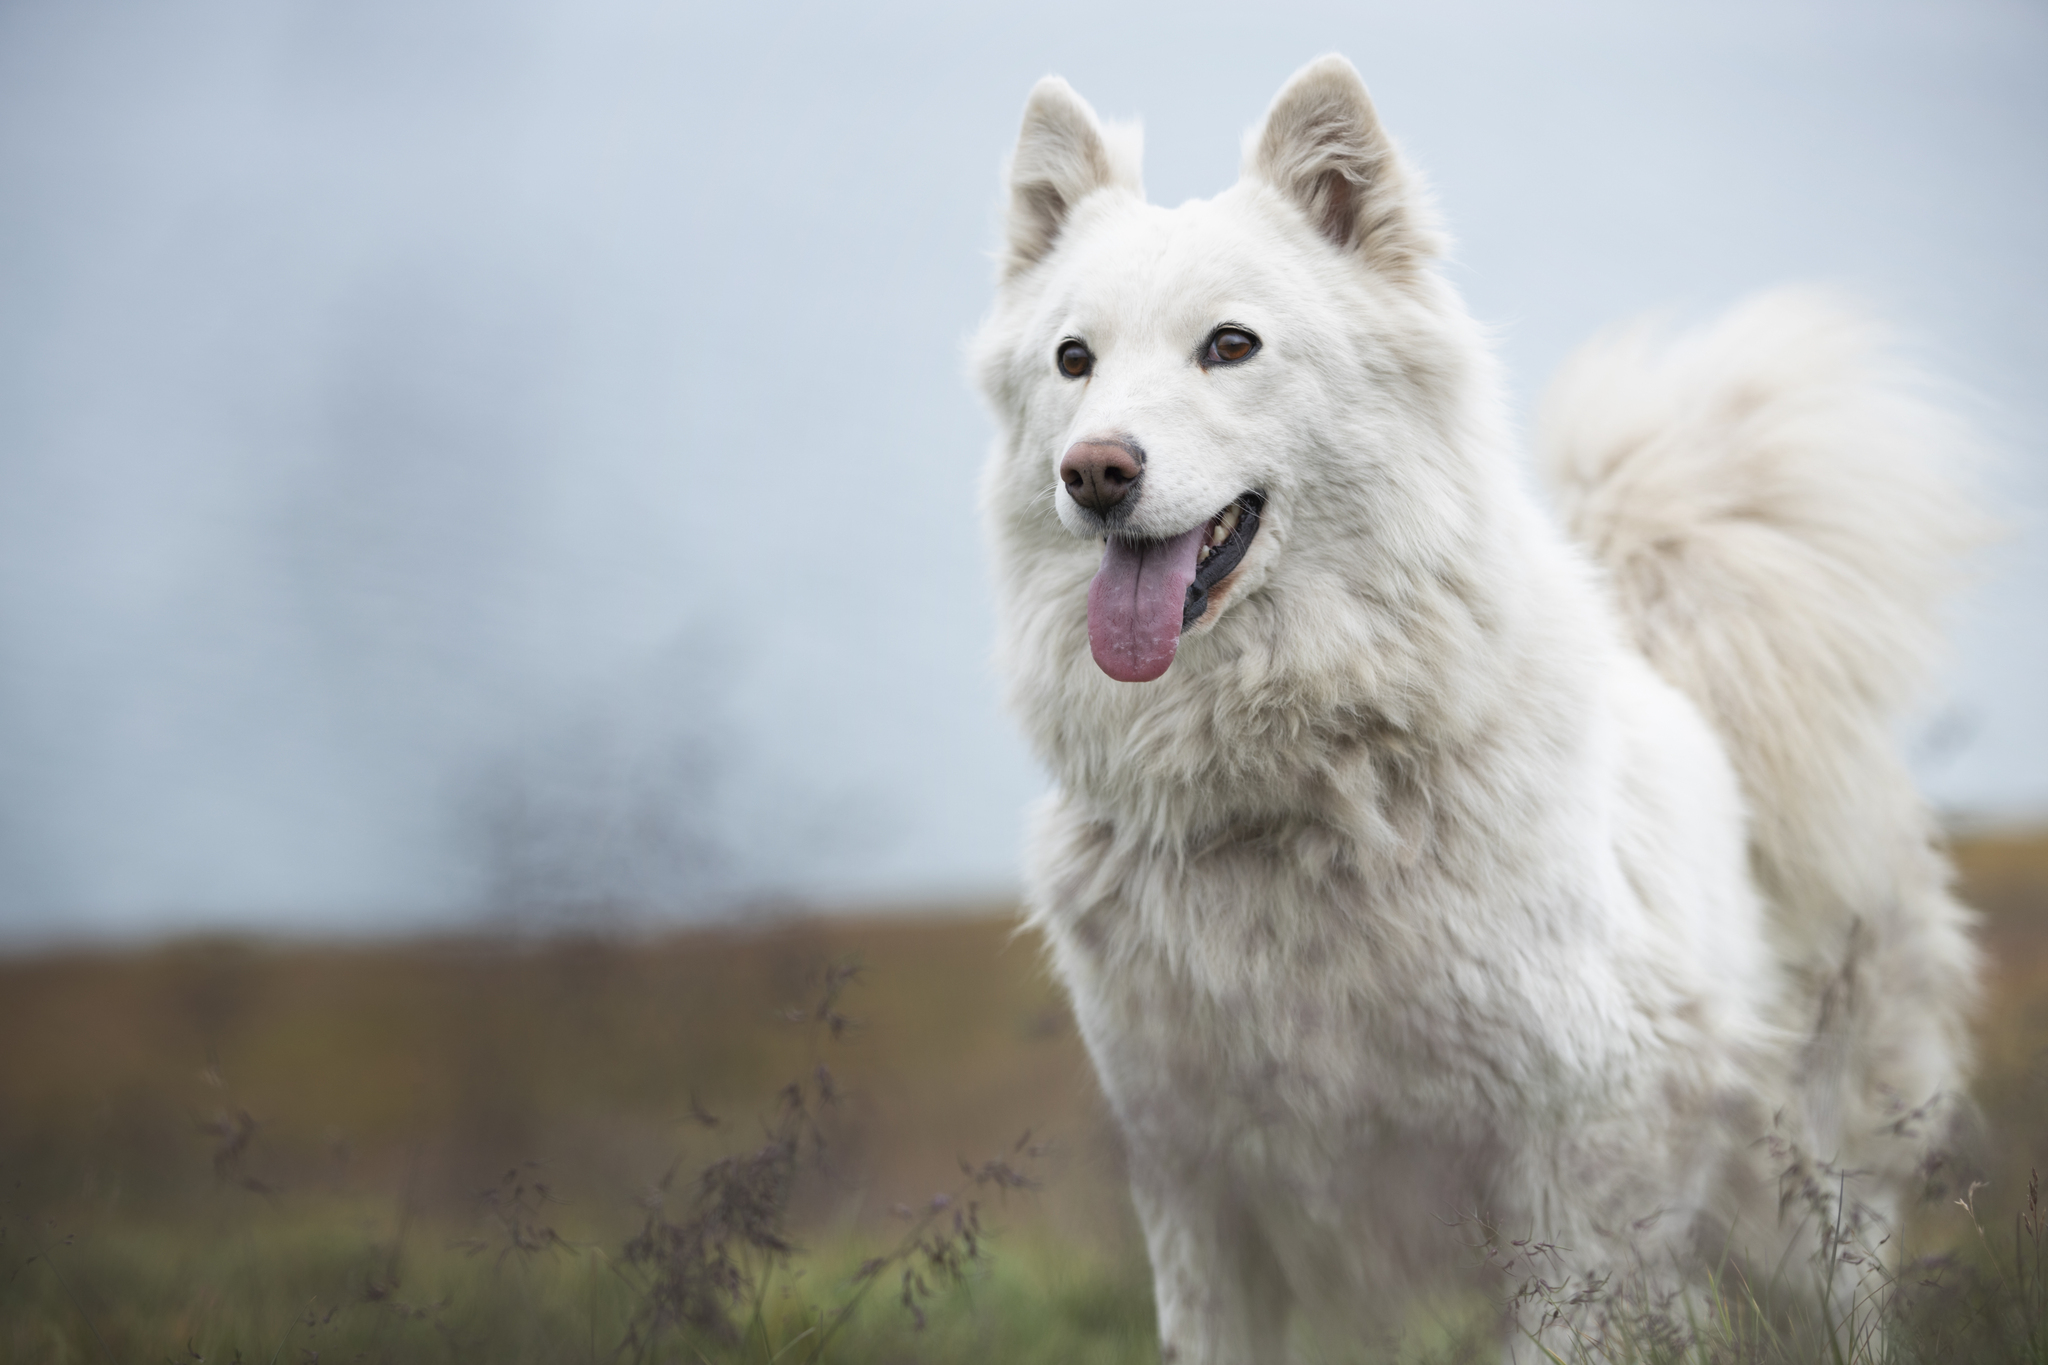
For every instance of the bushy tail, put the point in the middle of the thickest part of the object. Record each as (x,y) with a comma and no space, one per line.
(1779,507)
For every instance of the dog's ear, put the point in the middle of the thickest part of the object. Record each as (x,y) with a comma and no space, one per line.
(1322,146)
(1064,154)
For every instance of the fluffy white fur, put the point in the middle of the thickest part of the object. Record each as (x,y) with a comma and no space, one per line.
(1464,865)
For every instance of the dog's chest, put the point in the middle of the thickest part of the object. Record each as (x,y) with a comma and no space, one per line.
(1246,994)
(1333,1044)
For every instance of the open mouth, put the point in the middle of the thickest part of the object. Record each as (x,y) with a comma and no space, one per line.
(1148,591)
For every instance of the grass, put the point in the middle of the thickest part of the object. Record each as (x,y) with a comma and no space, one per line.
(714,1146)
(726,1147)
(322,1282)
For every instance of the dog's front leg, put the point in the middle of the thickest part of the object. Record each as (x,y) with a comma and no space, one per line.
(1221,1296)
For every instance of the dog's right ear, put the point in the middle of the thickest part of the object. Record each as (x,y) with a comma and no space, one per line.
(1322,146)
(1063,155)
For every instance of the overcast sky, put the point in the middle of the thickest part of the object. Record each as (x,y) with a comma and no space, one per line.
(464,455)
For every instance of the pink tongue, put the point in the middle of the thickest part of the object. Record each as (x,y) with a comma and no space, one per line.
(1135,604)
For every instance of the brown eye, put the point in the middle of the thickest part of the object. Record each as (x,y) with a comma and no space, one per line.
(1075,360)
(1228,345)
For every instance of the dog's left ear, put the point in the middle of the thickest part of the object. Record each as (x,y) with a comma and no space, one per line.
(1064,154)
(1322,146)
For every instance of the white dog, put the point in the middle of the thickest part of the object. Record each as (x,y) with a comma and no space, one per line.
(1415,856)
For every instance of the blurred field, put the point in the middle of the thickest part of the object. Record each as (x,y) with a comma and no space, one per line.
(285,1152)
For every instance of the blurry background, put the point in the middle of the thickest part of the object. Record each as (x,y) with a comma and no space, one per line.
(504,458)
(468,467)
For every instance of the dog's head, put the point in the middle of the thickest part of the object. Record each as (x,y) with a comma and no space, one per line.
(1230,403)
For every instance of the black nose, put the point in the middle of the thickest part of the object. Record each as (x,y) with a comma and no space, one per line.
(1099,474)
